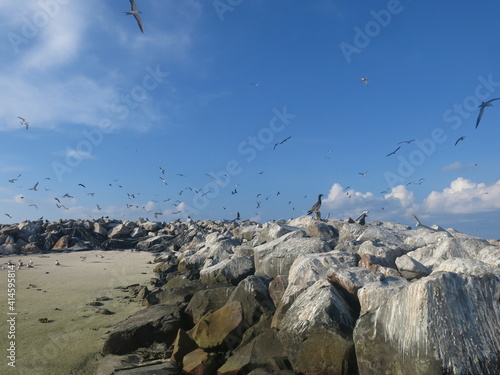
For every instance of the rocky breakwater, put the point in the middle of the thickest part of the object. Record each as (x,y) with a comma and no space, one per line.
(296,297)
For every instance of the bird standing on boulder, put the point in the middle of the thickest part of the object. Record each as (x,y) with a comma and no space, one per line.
(315,208)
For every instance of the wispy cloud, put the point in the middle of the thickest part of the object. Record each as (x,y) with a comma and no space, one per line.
(458,166)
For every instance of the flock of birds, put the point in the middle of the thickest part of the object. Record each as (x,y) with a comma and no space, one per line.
(314,210)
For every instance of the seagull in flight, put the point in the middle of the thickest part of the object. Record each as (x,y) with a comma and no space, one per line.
(23,122)
(364,80)
(394,152)
(256,84)
(280,143)
(135,13)
(363,173)
(407,142)
(482,107)
(34,187)
(459,139)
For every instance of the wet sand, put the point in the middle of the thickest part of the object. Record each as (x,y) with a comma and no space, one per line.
(70,342)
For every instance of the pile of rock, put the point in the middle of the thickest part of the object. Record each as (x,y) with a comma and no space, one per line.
(313,297)
(103,234)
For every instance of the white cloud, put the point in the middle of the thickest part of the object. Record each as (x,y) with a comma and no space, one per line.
(458,166)
(464,197)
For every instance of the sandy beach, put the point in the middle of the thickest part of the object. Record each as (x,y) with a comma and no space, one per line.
(70,341)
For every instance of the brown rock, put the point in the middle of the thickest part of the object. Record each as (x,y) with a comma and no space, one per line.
(63,243)
(183,345)
(199,362)
(277,288)
(220,329)
(264,351)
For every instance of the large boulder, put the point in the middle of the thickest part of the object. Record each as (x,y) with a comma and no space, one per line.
(253,294)
(316,332)
(264,352)
(276,257)
(228,271)
(273,231)
(119,231)
(220,330)
(305,271)
(446,323)
(207,301)
(373,294)
(158,323)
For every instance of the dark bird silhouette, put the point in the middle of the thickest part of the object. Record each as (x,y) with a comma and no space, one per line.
(135,13)
(280,143)
(23,122)
(9,216)
(238,216)
(34,187)
(67,196)
(82,185)
(482,106)
(363,173)
(407,142)
(316,206)
(459,139)
(394,152)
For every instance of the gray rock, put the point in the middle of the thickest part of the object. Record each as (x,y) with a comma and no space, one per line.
(155,243)
(253,294)
(228,271)
(276,257)
(410,268)
(353,278)
(157,323)
(467,266)
(305,271)
(373,294)
(316,332)
(119,231)
(273,231)
(445,323)
(324,231)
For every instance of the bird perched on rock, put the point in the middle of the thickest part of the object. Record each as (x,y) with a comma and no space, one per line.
(315,208)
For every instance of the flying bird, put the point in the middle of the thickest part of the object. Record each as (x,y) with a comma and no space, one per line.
(459,139)
(135,13)
(364,80)
(363,173)
(34,205)
(9,216)
(256,84)
(394,152)
(280,143)
(162,170)
(34,187)
(67,196)
(23,122)
(407,142)
(82,185)
(482,106)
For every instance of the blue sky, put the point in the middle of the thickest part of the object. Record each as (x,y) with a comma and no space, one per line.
(209,89)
